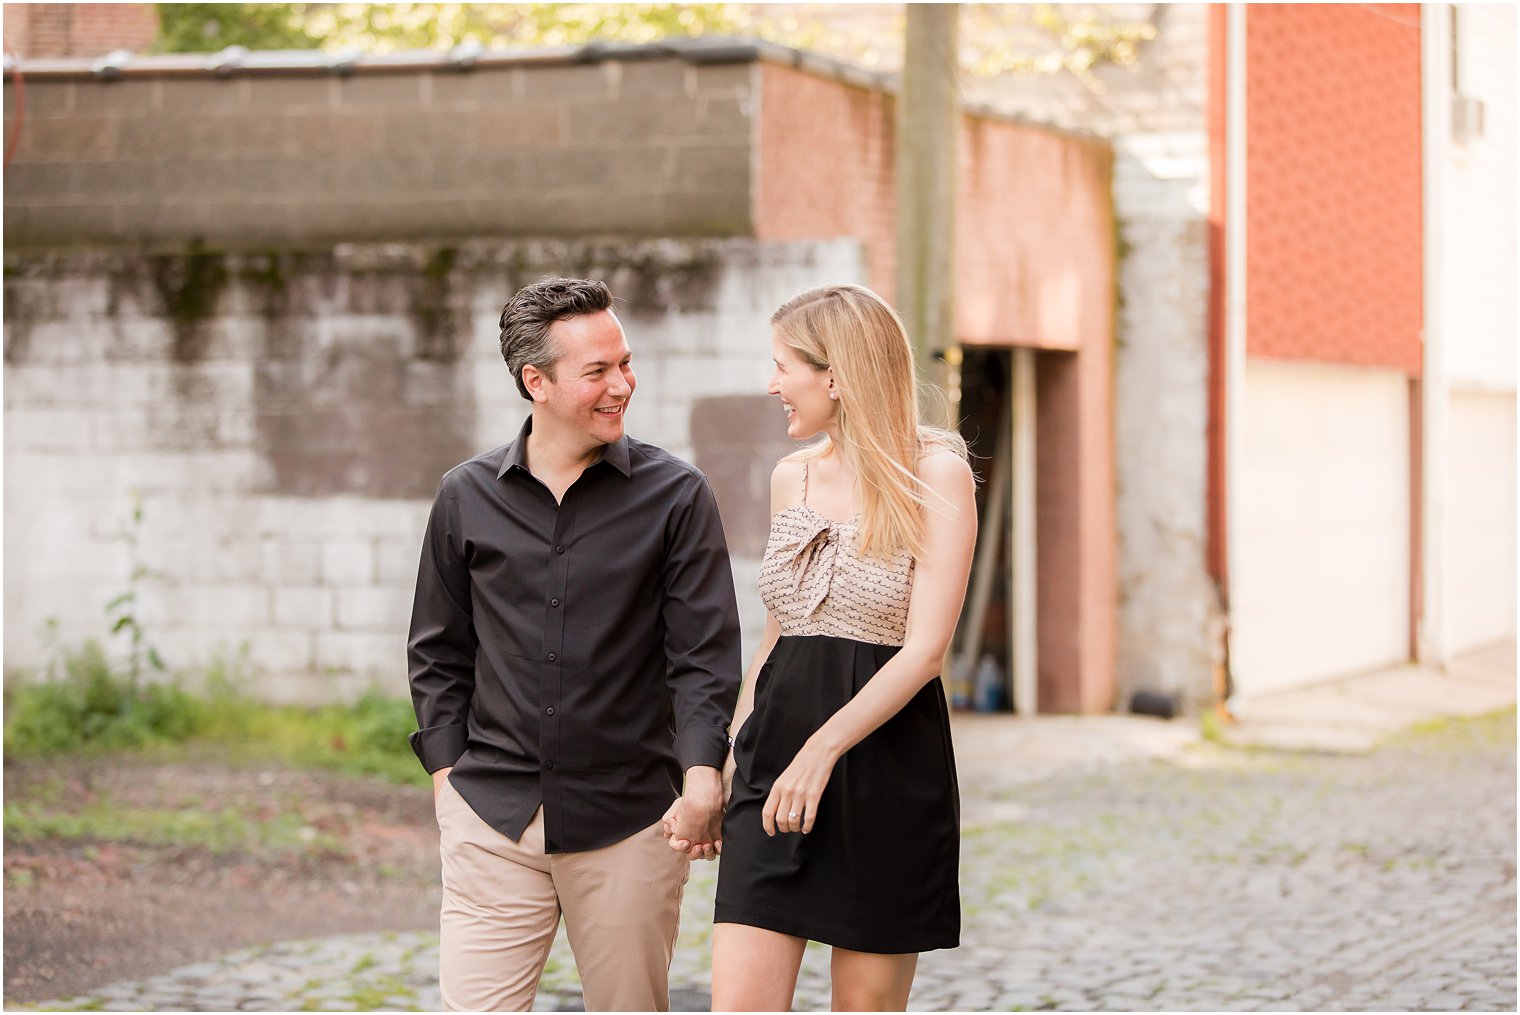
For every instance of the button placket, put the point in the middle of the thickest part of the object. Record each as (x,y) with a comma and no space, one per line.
(550,687)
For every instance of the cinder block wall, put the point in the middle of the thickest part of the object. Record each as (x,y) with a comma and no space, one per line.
(628,148)
(284,437)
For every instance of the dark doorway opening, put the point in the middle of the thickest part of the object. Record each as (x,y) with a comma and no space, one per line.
(984,645)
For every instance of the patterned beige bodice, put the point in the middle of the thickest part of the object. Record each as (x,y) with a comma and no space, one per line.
(814,580)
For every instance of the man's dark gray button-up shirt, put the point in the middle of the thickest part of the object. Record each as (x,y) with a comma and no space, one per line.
(581,655)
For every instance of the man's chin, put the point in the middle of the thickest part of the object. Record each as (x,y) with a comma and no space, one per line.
(610,425)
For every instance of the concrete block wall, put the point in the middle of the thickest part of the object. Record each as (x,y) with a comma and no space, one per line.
(284,443)
(653,147)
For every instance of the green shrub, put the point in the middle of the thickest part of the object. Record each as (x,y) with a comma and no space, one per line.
(383,723)
(82,703)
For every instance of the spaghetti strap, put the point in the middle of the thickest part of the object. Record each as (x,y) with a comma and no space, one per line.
(804,482)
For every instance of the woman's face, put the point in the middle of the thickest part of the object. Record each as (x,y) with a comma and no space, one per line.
(804,392)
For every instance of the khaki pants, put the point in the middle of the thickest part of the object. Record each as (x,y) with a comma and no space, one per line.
(502,902)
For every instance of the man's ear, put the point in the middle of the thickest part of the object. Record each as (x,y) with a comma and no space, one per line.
(534,380)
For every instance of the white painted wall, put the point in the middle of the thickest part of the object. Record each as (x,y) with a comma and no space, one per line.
(1479,209)
(1478,341)
(1322,581)
(1480,539)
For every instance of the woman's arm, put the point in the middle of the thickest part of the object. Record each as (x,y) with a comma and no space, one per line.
(939,589)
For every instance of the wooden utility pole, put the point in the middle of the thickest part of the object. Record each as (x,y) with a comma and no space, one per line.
(928,130)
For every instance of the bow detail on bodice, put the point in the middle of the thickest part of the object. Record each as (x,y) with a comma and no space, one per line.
(814,552)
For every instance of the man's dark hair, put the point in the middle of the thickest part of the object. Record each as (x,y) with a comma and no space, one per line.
(526,319)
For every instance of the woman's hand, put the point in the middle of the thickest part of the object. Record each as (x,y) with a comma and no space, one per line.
(793,802)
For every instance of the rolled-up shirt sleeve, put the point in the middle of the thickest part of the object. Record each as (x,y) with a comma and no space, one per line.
(442,644)
(701,620)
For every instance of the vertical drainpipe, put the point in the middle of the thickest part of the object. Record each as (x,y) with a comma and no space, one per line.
(1435,124)
(1235,294)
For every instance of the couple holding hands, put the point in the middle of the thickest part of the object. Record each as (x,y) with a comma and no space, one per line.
(574,662)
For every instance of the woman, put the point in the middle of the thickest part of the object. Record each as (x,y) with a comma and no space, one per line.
(843,822)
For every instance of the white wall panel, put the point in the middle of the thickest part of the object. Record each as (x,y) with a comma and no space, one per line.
(1322,581)
(1479,208)
(1480,514)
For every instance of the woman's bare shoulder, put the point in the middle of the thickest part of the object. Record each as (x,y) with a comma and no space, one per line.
(943,468)
(786,484)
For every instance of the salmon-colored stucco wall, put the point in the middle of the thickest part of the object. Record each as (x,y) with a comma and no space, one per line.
(1333,192)
(1034,222)
(1034,238)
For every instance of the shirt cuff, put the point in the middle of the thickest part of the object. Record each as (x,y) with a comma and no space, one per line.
(702,745)
(439,746)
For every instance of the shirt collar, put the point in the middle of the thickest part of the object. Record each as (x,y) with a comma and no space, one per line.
(614,454)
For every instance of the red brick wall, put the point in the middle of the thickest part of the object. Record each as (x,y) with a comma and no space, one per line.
(826,167)
(52,30)
(1333,188)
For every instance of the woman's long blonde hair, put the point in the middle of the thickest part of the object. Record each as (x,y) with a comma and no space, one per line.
(851,331)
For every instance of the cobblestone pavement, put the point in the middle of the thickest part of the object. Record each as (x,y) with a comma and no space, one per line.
(1219,879)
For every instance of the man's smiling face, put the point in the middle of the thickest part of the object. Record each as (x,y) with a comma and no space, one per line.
(593,378)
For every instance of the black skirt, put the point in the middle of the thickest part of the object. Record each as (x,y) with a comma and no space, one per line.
(879,872)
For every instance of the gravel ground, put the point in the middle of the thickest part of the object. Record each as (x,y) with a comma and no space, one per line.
(1218,880)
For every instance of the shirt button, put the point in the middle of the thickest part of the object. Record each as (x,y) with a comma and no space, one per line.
(554,602)
(549,710)
(559,549)
(548,764)
(552,657)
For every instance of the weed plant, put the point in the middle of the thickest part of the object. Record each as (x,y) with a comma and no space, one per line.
(82,704)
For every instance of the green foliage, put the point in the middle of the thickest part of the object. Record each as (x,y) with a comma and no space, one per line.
(220,831)
(122,610)
(1049,38)
(995,38)
(378,28)
(83,704)
(207,28)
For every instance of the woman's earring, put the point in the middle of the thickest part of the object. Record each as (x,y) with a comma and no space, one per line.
(834,396)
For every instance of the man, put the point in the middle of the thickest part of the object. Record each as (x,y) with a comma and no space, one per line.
(574,653)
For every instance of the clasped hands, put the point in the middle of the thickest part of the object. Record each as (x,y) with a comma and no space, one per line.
(695,827)
(694,823)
